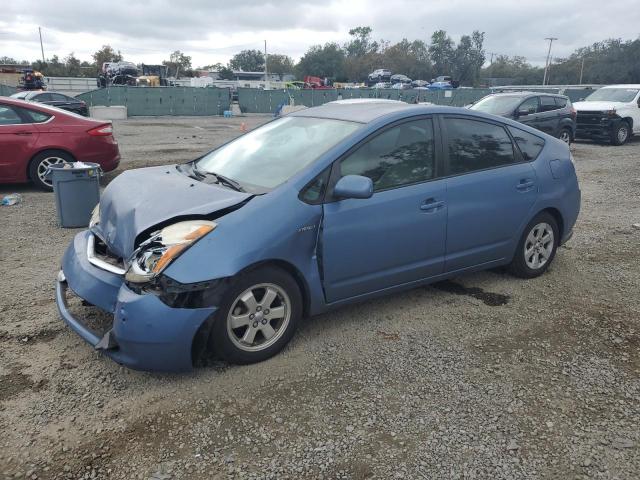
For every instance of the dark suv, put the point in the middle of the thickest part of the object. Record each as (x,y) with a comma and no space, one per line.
(55,100)
(551,113)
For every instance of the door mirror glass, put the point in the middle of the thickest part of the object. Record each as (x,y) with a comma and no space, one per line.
(353,186)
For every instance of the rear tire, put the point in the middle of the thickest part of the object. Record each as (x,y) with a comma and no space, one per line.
(537,247)
(257,317)
(621,133)
(41,161)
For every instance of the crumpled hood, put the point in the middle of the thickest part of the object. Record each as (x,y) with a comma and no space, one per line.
(597,106)
(140,199)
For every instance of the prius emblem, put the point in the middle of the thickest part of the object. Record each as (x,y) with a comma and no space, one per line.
(306,228)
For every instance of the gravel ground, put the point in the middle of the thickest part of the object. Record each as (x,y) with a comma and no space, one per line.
(484,376)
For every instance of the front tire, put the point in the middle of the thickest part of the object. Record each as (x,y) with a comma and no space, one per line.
(537,247)
(41,162)
(620,133)
(257,317)
(565,136)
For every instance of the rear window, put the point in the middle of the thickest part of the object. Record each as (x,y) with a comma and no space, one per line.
(530,145)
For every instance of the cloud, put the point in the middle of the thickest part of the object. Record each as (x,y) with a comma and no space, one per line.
(147,30)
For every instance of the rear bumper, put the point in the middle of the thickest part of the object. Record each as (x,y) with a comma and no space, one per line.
(146,334)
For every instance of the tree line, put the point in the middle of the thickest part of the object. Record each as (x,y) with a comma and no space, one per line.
(607,61)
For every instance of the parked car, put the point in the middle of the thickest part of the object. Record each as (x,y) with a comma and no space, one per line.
(35,136)
(55,99)
(553,114)
(419,83)
(382,85)
(323,207)
(401,86)
(379,75)
(610,113)
(399,78)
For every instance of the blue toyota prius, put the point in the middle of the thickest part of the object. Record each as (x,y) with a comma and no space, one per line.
(224,255)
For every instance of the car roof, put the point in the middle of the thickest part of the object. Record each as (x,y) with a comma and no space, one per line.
(361,110)
(526,93)
(369,111)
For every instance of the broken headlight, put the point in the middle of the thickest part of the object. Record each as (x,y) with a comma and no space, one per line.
(156,253)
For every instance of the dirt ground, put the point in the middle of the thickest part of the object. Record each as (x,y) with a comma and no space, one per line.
(484,376)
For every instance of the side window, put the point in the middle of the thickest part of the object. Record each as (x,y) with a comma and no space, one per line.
(401,155)
(59,97)
(530,145)
(313,193)
(34,116)
(547,104)
(476,145)
(561,102)
(43,97)
(8,116)
(530,105)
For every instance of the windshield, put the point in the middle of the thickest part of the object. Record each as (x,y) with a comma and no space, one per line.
(613,95)
(497,105)
(272,154)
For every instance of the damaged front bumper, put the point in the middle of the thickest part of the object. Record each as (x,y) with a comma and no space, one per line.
(146,334)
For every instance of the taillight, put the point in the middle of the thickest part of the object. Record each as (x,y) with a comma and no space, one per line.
(101,131)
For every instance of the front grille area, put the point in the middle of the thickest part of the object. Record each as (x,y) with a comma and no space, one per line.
(92,317)
(591,118)
(103,253)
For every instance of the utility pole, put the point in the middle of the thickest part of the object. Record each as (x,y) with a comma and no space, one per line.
(492,54)
(546,67)
(266,73)
(581,70)
(41,47)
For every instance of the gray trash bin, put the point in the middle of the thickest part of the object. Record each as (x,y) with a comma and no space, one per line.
(76,187)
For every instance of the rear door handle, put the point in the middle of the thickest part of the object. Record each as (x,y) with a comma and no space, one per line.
(525,185)
(431,205)
(23,133)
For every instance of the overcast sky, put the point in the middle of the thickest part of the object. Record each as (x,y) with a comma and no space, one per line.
(212,31)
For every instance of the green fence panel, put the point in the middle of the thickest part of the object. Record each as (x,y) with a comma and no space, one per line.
(6,90)
(253,100)
(155,101)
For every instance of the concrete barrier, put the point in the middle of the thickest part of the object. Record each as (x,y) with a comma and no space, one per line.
(108,113)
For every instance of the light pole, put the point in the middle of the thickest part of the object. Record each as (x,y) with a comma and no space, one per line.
(546,67)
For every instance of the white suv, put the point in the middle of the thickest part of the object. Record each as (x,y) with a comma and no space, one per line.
(610,113)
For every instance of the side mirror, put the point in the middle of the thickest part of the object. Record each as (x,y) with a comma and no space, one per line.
(522,113)
(353,186)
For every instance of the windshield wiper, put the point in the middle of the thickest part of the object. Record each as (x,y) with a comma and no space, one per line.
(221,179)
(228,182)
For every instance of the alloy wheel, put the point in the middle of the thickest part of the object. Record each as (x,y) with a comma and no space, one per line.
(44,165)
(538,247)
(258,317)
(623,133)
(565,136)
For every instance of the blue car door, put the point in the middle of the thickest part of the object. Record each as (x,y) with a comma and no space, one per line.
(398,235)
(490,192)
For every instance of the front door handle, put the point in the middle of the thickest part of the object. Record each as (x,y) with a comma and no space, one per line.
(431,205)
(525,185)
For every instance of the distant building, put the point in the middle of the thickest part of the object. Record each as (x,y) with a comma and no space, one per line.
(240,75)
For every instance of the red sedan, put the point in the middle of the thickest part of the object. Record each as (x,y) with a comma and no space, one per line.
(34,136)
